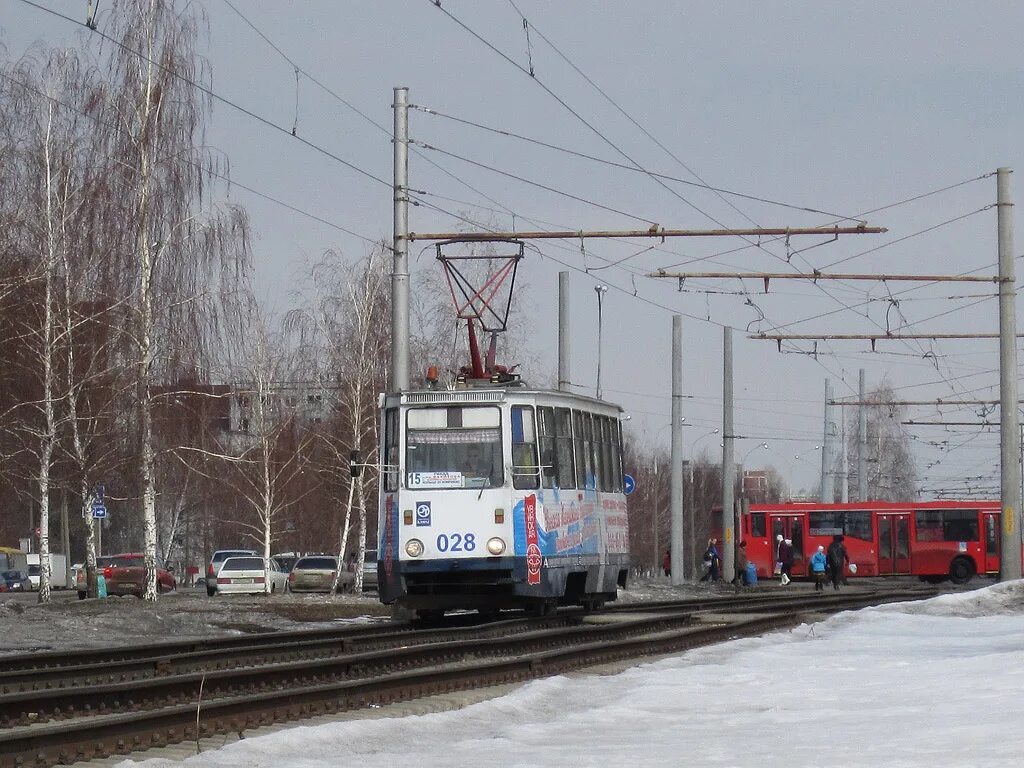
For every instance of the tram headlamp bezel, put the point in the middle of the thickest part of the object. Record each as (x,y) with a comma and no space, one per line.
(495,545)
(414,548)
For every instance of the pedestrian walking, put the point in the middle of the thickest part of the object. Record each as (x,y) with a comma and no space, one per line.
(666,562)
(712,560)
(838,559)
(786,561)
(818,562)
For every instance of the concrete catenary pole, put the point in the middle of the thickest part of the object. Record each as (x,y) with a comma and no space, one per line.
(827,491)
(678,572)
(563,331)
(726,546)
(862,444)
(400,271)
(844,472)
(1009,436)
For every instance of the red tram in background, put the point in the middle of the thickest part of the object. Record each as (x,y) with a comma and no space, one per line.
(931,539)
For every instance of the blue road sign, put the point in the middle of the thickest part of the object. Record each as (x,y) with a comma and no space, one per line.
(99,509)
(628,484)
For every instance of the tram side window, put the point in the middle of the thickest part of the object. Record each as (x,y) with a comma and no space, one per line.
(757,524)
(607,463)
(960,525)
(565,470)
(554,427)
(546,440)
(391,449)
(582,437)
(857,525)
(524,449)
(824,523)
(947,525)
(928,525)
(617,455)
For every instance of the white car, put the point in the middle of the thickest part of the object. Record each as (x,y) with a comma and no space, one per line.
(247,575)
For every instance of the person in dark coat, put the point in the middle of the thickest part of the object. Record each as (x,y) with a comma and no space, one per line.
(838,559)
(712,560)
(786,558)
(666,562)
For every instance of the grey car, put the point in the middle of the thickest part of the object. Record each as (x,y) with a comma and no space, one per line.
(370,570)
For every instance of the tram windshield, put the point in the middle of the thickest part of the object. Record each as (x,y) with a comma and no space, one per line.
(454,447)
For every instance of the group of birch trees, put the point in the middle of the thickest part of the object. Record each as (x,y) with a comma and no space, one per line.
(135,358)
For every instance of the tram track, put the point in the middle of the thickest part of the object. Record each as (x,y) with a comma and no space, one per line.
(47,726)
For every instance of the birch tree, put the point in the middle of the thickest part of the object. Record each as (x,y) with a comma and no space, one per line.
(186,256)
(345,334)
(264,459)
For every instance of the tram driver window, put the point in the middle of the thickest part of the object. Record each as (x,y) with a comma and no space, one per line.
(454,447)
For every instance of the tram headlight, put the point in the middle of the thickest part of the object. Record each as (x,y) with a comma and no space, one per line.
(495,546)
(414,547)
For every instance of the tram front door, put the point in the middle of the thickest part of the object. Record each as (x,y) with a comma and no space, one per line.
(789,527)
(893,544)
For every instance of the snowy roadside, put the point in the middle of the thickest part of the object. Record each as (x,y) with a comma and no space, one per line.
(68,623)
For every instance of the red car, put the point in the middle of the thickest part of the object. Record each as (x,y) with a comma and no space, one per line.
(125,575)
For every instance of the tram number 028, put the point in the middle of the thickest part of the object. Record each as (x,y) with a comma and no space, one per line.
(456,542)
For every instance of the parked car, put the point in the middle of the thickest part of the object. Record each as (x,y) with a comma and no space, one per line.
(14,581)
(125,574)
(316,573)
(370,569)
(215,563)
(246,574)
(286,560)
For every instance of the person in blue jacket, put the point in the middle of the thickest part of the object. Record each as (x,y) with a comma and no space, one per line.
(818,563)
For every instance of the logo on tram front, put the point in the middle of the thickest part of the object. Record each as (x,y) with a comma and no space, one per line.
(533,556)
(422,513)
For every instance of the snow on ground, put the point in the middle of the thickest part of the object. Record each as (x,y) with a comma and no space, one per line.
(912,685)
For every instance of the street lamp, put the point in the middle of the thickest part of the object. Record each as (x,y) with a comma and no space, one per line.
(744,461)
(762,445)
(601,290)
(798,457)
(693,446)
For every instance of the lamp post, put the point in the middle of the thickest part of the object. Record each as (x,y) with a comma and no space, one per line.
(600,290)
(798,457)
(742,463)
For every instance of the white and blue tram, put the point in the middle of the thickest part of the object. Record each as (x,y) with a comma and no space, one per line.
(498,497)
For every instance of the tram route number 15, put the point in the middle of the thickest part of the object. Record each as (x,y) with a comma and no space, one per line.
(456,542)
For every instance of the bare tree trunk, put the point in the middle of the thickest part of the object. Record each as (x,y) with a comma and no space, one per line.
(50,428)
(343,536)
(357,587)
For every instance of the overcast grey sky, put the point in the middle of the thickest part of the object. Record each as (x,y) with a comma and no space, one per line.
(840,107)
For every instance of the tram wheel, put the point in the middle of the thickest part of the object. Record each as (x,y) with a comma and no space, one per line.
(960,570)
